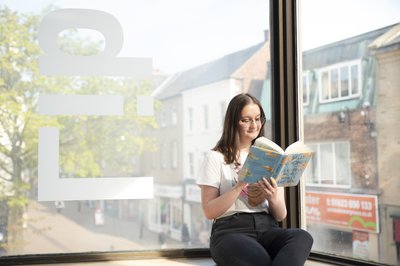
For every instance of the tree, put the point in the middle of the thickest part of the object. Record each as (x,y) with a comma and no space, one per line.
(89,146)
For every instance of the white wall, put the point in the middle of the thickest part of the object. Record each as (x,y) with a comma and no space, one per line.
(200,140)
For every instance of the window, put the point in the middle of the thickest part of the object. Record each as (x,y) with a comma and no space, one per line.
(116,112)
(351,202)
(344,81)
(205,113)
(330,165)
(336,81)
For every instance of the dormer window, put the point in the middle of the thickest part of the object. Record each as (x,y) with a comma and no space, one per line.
(340,81)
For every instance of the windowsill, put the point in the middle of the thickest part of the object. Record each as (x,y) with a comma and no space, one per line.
(166,262)
(181,257)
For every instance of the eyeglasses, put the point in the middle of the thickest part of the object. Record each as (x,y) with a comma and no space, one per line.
(247,121)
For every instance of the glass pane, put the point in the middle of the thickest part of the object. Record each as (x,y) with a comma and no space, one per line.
(344,81)
(352,209)
(325,85)
(342,159)
(327,163)
(125,91)
(334,84)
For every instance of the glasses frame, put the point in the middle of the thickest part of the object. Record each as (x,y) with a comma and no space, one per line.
(246,122)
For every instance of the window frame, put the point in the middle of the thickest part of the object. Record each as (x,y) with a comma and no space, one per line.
(328,69)
(285,74)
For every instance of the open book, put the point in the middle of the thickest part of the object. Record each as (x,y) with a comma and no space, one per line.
(267,159)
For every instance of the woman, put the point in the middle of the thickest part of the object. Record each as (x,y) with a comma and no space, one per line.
(245,229)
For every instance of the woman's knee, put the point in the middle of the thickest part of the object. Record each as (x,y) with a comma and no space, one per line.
(238,250)
(304,237)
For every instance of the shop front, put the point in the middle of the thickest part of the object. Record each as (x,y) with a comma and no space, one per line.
(349,221)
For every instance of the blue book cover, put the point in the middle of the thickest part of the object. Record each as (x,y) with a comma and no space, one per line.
(267,159)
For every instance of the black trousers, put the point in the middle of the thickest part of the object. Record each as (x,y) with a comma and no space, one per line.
(256,239)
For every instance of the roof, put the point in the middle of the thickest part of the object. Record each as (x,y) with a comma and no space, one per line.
(217,70)
(345,50)
(359,47)
(390,39)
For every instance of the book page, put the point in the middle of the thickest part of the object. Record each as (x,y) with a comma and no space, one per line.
(297,147)
(268,144)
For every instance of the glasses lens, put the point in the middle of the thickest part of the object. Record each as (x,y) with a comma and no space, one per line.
(248,122)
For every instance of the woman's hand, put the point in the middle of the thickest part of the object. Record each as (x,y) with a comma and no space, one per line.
(275,197)
(269,188)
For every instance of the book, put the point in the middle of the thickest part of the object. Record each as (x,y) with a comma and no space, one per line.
(267,159)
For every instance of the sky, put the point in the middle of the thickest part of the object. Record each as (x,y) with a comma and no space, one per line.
(327,21)
(180,34)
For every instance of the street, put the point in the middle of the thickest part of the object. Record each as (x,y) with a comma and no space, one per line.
(72,229)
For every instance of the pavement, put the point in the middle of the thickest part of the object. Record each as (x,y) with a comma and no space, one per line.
(74,230)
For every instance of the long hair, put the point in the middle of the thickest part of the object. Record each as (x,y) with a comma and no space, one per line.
(229,141)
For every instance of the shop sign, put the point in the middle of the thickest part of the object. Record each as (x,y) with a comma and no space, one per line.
(350,211)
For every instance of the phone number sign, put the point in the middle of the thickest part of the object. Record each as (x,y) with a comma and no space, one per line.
(350,211)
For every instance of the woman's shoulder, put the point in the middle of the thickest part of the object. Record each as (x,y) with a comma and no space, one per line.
(214,155)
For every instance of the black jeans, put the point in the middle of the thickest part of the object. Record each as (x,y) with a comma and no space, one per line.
(256,239)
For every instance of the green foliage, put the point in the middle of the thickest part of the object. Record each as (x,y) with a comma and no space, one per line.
(20,84)
(90,146)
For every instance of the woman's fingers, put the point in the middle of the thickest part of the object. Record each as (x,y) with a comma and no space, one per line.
(273,182)
(269,187)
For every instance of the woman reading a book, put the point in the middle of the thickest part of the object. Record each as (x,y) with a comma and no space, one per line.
(245,229)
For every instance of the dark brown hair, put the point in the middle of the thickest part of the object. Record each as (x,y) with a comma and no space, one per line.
(228,143)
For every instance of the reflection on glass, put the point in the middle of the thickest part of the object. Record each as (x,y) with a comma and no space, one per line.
(351,122)
(203,54)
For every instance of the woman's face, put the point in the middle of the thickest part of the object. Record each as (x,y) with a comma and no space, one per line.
(250,123)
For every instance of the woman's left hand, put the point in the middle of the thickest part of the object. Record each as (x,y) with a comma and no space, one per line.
(275,197)
(269,188)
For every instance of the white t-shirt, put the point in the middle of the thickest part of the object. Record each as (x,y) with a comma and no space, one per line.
(216,173)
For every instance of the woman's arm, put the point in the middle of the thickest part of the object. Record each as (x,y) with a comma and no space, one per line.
(214,204)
